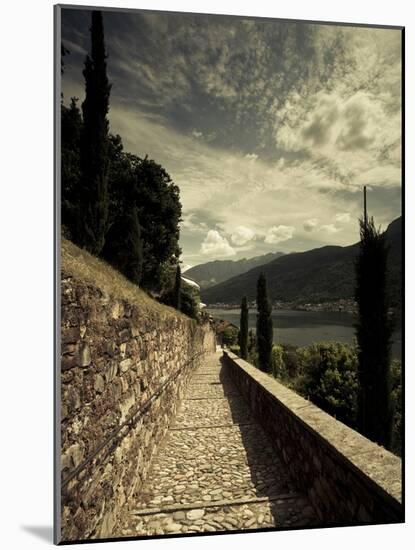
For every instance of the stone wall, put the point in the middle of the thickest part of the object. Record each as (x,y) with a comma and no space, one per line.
(348,479)
(123,372)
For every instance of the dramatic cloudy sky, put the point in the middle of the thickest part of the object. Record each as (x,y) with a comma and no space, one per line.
(269,128)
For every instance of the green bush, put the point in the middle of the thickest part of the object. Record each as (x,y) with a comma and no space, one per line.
(278,367)
(396,403)
(328,377)
(235,349)
(230,336)
(290,359)
(188,302)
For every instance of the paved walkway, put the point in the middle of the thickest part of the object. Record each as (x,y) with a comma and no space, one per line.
(216,469)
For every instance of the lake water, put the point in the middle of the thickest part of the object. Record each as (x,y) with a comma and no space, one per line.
(302,328)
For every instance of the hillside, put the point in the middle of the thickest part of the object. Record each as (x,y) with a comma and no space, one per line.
(78,263)
(319,275)
(213,273)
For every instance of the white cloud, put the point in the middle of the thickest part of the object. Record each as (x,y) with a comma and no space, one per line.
(342,217)
(251,156)
(188,222)
(216,245)
(242,235)
(279,234)
(329,228)
(310,225)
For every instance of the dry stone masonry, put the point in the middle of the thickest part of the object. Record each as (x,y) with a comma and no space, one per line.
(123,374)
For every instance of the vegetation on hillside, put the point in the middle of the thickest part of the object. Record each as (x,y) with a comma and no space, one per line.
(327,375)
(324,274)
(78,262)
(118,206)
(217,271)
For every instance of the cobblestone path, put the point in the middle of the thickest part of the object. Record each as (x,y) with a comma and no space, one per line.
(216,469)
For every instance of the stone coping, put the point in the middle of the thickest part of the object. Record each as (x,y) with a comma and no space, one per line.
(374,462)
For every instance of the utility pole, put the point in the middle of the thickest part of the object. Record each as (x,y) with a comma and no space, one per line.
(364,205)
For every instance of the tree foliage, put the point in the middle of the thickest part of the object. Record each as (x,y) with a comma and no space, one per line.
(396,399)
(71,128)
(123,247)
(159,208)
(264,328)
(243,329)
(188,301)
(278,368)
(373,333)
(328,376)
(229,336)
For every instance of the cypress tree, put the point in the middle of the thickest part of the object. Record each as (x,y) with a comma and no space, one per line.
(264,329)
(177,288)
(373,333)
(94,144)
(243,329)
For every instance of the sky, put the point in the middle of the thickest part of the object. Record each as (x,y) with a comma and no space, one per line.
(269,128)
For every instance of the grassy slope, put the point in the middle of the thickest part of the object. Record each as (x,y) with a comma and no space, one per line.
(80,264)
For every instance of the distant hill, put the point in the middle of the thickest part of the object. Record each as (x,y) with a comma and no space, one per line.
(319,275)
(212,273)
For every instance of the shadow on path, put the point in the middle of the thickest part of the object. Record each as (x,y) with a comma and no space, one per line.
(269,475)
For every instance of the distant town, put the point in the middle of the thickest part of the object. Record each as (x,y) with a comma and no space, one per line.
(343,305)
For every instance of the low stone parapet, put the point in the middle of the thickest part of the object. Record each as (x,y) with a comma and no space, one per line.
(348,479)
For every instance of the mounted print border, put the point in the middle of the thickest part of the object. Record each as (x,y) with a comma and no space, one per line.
(229,260)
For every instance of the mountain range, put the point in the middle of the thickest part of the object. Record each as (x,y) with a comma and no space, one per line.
(213,273)
(323,274)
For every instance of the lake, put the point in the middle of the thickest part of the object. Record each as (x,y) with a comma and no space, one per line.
(302,328)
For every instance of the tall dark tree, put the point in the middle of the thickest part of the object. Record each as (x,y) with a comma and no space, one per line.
(373,332)
(93,214)
(177,288)
(264,328)
(243,329)
(64,52)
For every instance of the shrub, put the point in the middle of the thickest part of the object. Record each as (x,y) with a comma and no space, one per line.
(328,377)
(230,336)
(396,402)
(235,349)
(278,367)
